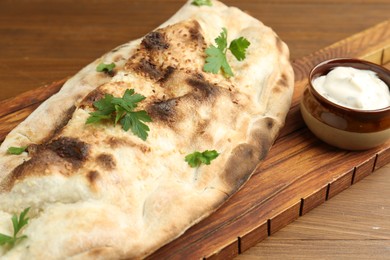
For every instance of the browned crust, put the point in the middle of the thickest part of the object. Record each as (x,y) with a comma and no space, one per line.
(246,157)
(106,161)
(155,41)
(60,125)
(66,152)
(240,166)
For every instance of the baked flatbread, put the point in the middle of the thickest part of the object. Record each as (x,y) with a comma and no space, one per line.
(98,192)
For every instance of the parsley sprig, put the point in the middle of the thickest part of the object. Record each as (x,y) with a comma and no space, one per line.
(16,150)
(216,55)
(18,223)
(202,2)
(121,110)
(107,68)
(195,159)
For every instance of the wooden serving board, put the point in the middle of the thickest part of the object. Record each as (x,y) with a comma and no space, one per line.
(299,173)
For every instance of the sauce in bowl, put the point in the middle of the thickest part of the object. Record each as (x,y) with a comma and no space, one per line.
(353,88)
(348,107)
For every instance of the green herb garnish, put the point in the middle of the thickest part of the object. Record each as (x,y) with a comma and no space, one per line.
(238,48)
(202,2)
(105,67)
(216,56)
(197,158)
(16,150)
(122,110)
(18,224)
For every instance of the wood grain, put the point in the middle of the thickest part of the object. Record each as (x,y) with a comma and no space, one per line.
(323,233)
(44,41)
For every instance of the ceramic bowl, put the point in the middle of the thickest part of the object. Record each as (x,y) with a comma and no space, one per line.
(343,127)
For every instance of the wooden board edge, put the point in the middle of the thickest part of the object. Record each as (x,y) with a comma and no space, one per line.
(281,219)
(29,98)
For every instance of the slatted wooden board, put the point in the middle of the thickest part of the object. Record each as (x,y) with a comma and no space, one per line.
(299,173)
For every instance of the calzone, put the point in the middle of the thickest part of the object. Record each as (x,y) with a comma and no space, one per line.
(96,191)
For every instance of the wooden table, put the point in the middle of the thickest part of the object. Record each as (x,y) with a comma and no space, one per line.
(43,41)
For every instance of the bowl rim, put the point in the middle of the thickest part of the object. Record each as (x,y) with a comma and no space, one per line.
(325,66)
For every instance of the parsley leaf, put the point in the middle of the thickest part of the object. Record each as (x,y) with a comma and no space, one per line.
(134,122)
(195,159)
(238,48)
(105,109)
(102,67)
(121,110)
(129,100)
(16,150)
(216,56)
(202,2)
(216,60)
(221,40)
(18,223)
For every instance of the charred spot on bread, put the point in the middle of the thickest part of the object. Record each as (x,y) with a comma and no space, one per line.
(106,161)
(199,76)
(283,81)
(92,97)
(163,110)
(200,85)
(155,41)
(270,122)
(167,74)
(32,149)
(92,176)
(147,67)
(110,73)
(64,155)
(264,144)
(60,124)
(262,135)
(236,172)
(36,166)
(195,32)
(69,148)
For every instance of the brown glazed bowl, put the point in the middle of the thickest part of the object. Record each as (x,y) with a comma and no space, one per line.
(346,128)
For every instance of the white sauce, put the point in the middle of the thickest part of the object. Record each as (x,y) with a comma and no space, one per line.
(353,88)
